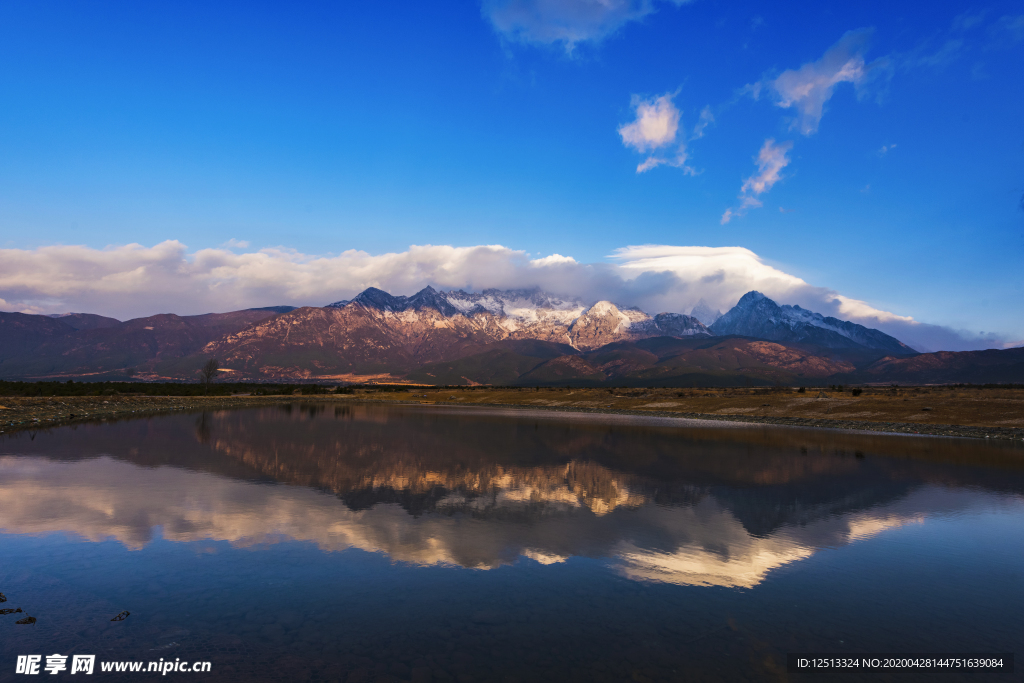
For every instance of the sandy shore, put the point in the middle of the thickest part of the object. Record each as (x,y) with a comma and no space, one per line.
(978,413)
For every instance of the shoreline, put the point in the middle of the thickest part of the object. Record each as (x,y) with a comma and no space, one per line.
(901,428)
(26,414)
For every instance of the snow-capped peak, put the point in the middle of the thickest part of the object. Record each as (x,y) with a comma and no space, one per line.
(705,313)
(755,315)
(532,314)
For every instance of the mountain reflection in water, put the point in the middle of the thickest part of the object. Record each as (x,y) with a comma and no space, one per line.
(699,506)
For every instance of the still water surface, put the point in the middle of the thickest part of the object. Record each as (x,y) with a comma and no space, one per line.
(373,543)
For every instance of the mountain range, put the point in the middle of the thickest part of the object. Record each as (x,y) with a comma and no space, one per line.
(524,337)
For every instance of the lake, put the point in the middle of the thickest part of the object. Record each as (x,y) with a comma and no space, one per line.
(334,542)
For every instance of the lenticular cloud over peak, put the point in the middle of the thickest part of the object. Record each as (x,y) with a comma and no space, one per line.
(133,280)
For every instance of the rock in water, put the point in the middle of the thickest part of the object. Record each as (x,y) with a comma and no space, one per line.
(26,620)
(3,598)
(9,611)
(121,616)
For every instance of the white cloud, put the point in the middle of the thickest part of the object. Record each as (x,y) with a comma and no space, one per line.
(553,259)
(705,119)
(807,89)
(676,161)
(649,163)
(721,275)
(565,22)
(770,161)
(848,309)
(133,281)
(656,126)
(105,499)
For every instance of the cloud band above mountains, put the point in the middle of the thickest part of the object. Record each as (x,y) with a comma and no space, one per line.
(134,281)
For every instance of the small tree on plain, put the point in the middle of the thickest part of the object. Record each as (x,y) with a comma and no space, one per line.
(208,372)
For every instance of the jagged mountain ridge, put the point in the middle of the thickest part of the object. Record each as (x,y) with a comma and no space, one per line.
(535,314)
(755,315)
(425,335)
(532,314)
(522,336)
(376,332)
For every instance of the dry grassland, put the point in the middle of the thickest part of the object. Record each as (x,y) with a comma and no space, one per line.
(929,408)
(970,411)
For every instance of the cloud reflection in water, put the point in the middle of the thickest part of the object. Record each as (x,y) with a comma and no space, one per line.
(443,490)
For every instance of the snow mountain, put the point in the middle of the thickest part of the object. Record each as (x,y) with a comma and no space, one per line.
(527,314)
(521,305)
(704,313)
(523,337)
(755,315)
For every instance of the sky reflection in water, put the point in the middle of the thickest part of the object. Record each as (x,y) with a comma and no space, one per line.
(660,552)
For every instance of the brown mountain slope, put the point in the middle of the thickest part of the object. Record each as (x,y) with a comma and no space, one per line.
(310,342)
(494,337)
(87,321)
(727,361)
(742,354)
(994,366)
(22,334)
(659,361)
(372,335)
(44,346)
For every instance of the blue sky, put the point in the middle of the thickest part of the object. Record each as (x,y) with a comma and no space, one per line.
(326,127)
